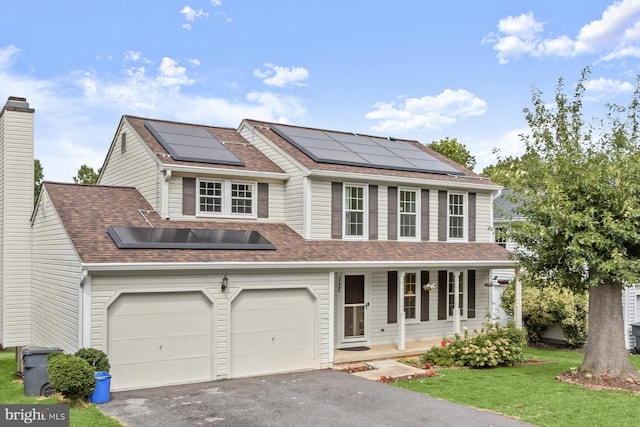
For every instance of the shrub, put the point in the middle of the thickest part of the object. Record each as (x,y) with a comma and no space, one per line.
(544,306)
(96,358)
(72,376)
(493,345)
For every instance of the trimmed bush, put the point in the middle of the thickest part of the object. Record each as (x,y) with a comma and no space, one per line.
(96,358)
(72,376)
(493,345)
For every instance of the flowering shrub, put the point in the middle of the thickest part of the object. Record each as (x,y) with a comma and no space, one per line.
(493,345)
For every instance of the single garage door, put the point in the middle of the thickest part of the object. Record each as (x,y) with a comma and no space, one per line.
(157,339)
(272,330)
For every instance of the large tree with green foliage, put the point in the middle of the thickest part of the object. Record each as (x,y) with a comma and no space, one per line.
(578,185)
(38,177)
(86,175)
(454,150)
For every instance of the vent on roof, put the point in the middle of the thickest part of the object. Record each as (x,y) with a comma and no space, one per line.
(187,238)
(359,150)
(192,144)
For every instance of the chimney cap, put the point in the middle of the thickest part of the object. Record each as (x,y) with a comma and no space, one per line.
(17,103)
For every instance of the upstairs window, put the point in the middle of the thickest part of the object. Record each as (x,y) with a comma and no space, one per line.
(355,217)
(456,215)
(226,198)
(408,214)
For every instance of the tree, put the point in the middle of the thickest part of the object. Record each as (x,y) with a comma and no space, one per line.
(38,177)
(503,169)
(454,150)
(86,175)
(579,189)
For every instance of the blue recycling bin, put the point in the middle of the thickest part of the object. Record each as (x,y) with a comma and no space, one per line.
(103,385)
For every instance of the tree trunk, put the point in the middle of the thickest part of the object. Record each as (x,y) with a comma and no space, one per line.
(605,353)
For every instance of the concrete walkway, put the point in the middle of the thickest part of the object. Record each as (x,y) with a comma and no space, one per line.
(389,368)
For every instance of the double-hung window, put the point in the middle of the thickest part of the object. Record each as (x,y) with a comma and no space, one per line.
(408,214)
(451,285)
(226,198)
(411,298)
(355,211)
(457,216)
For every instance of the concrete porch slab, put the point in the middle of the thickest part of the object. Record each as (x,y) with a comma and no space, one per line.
(385,351)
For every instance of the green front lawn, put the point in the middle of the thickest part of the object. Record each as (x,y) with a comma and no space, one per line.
(532,394)
(12,391)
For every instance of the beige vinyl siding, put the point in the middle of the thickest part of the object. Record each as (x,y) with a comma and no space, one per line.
(56,278)
(320,210)
(433,215)
(383,212)
(483,217)
(136,167)
(105,288)
(16,205)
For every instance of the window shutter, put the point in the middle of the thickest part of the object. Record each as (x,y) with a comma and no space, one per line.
(392,297)
(424,215)
(471,294)
(188,196)
(472,217)
(442,216)
(263,200)
(392,218)
(424,297)
(336,210)
(443,286)
(373,212)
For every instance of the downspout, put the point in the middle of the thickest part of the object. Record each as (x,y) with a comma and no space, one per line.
(85,310)
(164,203)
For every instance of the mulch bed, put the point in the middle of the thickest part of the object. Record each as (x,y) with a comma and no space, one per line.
(600,383)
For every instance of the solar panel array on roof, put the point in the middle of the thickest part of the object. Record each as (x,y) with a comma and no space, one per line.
(192,144)
(358,150)
(187,238)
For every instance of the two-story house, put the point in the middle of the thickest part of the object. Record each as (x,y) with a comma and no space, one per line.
(207,252)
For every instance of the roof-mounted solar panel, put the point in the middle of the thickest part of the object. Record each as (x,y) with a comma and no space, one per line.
(187,238)
(192,144)
(359,150)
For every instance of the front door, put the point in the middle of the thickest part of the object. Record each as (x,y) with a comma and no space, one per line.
(354,298)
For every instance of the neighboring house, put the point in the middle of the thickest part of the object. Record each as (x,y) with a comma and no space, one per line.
(206,252)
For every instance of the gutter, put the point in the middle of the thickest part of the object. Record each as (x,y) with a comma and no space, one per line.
(277,176)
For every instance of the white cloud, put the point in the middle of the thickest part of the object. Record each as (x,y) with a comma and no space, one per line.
(278,76)
(507,144)
(616,35)
(428,112)
(603,87)
(8,56)
(190,16)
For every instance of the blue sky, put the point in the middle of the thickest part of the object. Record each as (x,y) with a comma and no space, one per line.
(415,69)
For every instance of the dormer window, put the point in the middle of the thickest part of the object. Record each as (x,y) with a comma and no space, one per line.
(226,198)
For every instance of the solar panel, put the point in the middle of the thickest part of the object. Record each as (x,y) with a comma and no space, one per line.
(358,150)
(187,238)
(192,144)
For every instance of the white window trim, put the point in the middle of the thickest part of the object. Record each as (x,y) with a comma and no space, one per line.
(226,199)
(464,291)
(365,207)
(418,215)
(418,296)
(465,220)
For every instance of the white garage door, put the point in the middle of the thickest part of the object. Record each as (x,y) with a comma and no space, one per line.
(272,331)
(157,339)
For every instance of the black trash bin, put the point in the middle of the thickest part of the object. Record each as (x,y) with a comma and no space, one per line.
(635,328)
(36,379)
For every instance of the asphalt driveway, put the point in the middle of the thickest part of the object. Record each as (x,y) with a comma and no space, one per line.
(313,398)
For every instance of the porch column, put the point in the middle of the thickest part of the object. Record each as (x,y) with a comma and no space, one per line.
(517,306)
(401,316)
(456,302)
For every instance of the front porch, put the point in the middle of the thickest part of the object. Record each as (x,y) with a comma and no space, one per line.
(384,351)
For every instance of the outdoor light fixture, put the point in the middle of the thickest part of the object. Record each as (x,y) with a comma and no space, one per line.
(224,283)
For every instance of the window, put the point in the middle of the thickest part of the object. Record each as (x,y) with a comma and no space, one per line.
(501,236)
(408,214)
(411,299)
(354,211)
(456,216)
(226,198)
(451,292)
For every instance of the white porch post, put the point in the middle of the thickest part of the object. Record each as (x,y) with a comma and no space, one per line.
(401,319)
(517,306)
(456,302)
(332,314)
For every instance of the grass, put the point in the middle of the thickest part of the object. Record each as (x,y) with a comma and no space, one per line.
(531,393)
(12,391)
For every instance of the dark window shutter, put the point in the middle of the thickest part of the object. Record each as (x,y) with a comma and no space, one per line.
(188,196)
(472,217)
(373,212)
(336,210)
(443,286)
(392,297)
(263,200)
(424,215)
(392,218)
(424,297)
(471,294)
(442,216)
